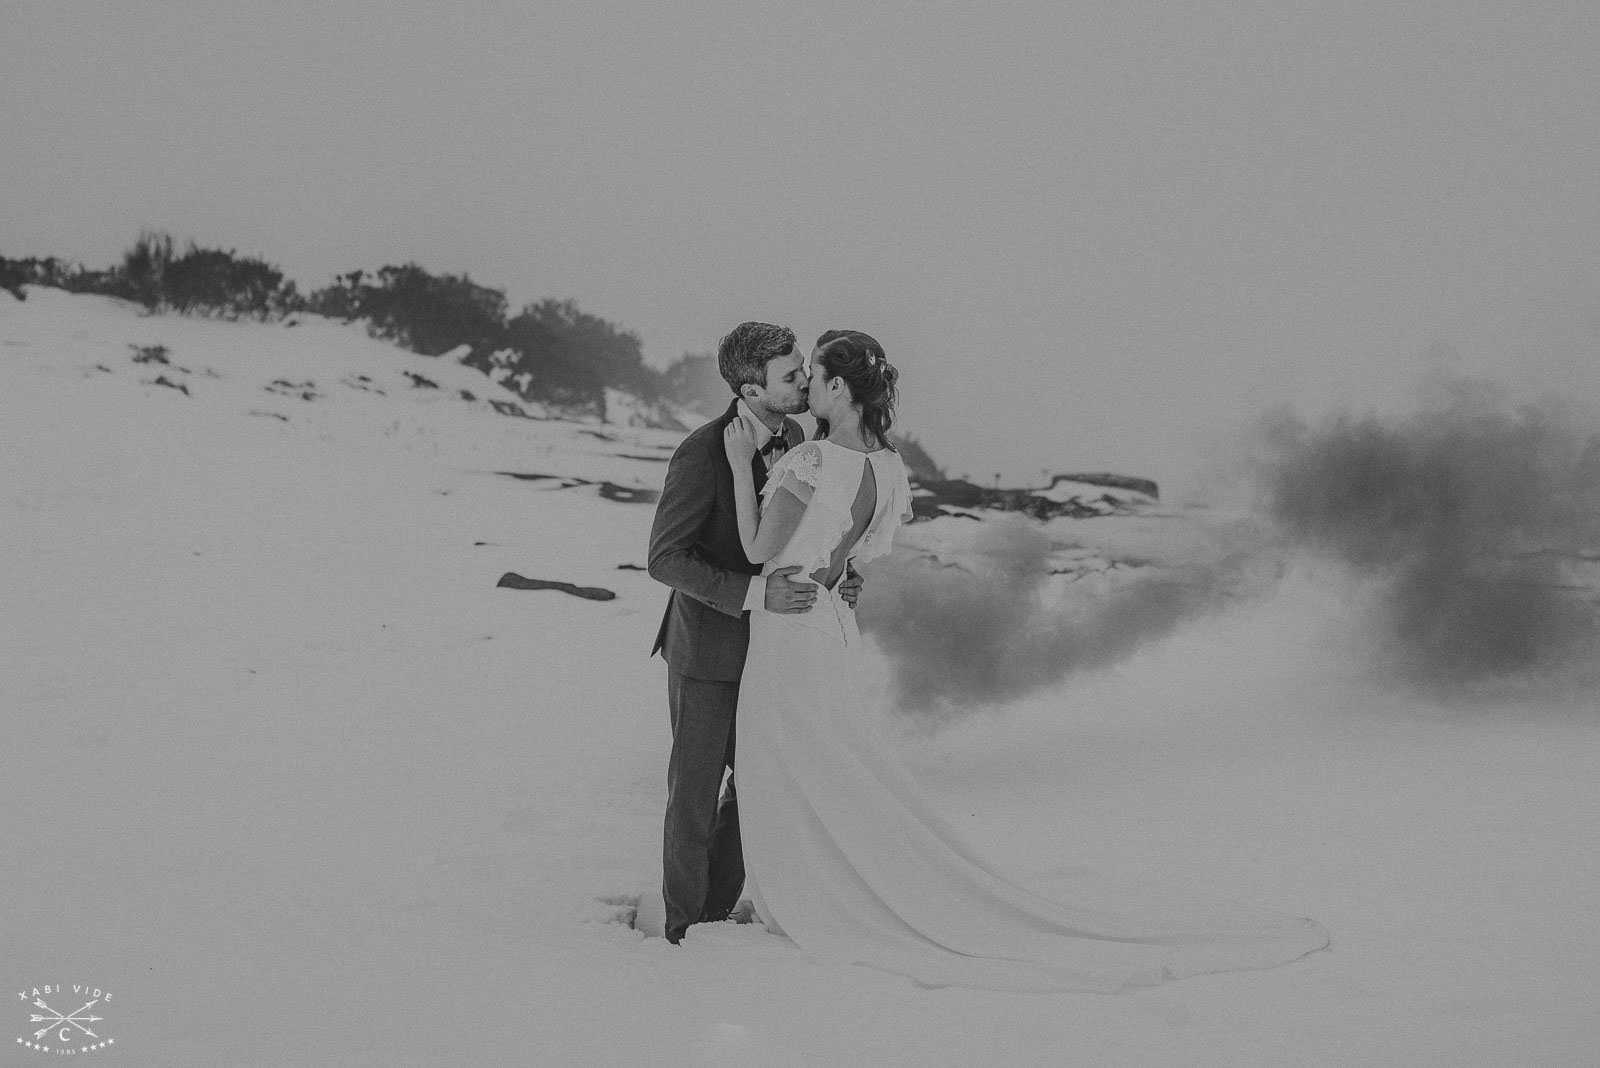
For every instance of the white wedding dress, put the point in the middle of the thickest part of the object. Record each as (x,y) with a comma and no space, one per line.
(845,856)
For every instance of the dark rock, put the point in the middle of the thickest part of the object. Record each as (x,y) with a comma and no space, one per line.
(609,490)
(627,494)
(364,383)
(1125,482)
(916,458)
(283,387)
(510,408)
(513,581)
(528,476)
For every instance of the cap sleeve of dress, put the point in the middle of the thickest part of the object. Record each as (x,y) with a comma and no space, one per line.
(894,508)
(799,471)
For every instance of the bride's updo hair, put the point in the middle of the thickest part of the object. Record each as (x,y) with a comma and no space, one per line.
(859,360)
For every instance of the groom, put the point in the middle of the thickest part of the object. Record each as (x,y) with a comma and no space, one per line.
(695,549)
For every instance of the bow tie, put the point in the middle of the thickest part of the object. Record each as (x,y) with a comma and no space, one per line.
(775,446)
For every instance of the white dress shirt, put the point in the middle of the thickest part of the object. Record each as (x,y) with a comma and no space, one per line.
(756,596)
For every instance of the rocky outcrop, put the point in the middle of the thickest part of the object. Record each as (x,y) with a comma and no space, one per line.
(1073,496)
(1145,486)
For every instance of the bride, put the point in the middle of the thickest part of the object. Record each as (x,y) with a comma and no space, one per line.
(844,854)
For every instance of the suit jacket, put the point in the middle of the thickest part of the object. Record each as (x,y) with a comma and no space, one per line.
(695,549)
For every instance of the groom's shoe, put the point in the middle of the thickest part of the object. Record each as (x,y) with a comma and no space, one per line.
(675,934)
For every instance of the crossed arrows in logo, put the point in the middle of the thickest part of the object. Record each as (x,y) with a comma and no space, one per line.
(56,1019)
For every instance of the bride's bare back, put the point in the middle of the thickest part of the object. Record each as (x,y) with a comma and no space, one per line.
(831,504)
(861,511)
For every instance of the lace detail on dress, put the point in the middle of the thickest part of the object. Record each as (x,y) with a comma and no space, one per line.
(805,460)
(797,471)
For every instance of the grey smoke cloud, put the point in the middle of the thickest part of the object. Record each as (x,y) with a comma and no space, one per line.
(1476,521)
(1473,523)
(985,630)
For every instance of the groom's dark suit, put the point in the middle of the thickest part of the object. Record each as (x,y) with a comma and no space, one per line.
(695,549)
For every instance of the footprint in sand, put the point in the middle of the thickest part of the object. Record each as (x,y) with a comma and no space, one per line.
(643,912)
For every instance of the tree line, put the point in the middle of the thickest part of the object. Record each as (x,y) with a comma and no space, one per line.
(550,351)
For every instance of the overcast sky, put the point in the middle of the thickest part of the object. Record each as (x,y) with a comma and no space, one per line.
(1090,234)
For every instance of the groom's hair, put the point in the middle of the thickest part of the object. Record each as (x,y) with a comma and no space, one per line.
(742,356)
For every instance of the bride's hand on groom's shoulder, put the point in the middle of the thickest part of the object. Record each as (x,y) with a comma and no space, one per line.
(740,442)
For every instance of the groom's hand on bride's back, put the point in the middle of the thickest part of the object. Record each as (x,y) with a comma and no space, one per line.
(786,595)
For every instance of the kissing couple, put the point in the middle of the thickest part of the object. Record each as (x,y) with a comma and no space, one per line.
(758,533)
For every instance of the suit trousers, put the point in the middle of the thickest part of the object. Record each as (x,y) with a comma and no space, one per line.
(702,860)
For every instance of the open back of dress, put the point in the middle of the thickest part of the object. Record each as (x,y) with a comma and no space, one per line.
(862,512)
(845,511)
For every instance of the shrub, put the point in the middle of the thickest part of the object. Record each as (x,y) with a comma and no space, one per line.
(693,381)
(203,281)
(562,382)
(144,266)
(342,300)
(427,314)
(210,281)
(559,340)
(551,379)
(137,278)
(33,271)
